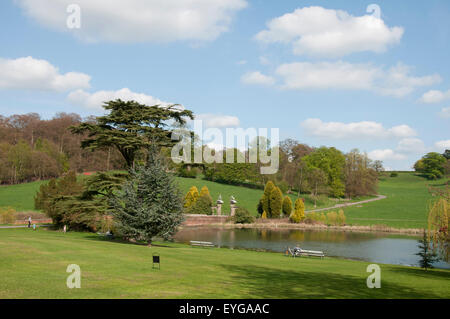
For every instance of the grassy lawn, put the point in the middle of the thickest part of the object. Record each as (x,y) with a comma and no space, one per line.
(33,265)
(406,205)
(20,196)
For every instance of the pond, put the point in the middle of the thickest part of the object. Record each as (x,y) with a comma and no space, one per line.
(372,247)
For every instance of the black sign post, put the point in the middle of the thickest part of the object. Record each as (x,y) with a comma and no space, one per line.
(156,261)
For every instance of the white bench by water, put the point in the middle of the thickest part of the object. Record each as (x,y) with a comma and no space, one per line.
(201,243)
(297,251)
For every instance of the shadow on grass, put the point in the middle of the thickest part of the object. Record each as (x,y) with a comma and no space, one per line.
(263,282)
(121,241)
(430,274)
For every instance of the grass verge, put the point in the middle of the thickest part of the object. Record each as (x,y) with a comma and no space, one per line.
(33,265)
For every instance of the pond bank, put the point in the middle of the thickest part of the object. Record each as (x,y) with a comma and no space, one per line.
(302,226)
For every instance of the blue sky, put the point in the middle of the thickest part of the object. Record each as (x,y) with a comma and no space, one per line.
(332,74)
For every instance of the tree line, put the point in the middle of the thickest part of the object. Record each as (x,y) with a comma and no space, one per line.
(302,169)
(433,165)
(32,148)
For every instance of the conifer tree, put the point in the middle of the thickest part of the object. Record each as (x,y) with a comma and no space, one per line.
(149,203)
(198,203)
(50,195)
(188,200)
(259,207)
(276,202)
(195,194)
(130,127)
(299,211)
(427,255)
(266,196)
(204,191)
(203,205)
(287,206)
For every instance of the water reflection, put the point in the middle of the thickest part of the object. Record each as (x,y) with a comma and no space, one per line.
(373,247)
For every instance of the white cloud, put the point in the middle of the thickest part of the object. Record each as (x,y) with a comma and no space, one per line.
(264,60)
(257,78)
(411,146)
(95,100)
(317,31)
(138,20)
(401,131)
(395,81)
(398,82)
(445,112)
(355,130)
(405,148)
(324,75)
(441,146)
(217,120)
(386,154)
(35,74)
(435,96)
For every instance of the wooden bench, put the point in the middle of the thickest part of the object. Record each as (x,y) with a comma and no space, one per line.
(201,243)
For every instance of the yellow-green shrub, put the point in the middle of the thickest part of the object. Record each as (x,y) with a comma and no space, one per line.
(201,206)
(332,218)
(204,191)
(188,200)
(7,215)
(195,193)
(287,206)
(266,196)
(276,202)
(341,217)
(191,197)
(316,218)
(299,211)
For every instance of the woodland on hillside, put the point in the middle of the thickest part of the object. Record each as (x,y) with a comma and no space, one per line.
(32,148)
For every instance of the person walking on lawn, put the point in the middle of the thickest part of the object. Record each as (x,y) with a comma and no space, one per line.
(29,222)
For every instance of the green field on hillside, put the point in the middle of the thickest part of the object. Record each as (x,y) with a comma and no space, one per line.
(20,196)
(33,265)
(406,205)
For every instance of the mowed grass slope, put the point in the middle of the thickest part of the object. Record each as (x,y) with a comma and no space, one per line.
(20,196)
(406,205)
(33,265)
